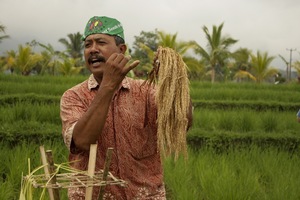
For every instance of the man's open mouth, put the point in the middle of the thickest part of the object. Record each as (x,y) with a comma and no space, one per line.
(96,59)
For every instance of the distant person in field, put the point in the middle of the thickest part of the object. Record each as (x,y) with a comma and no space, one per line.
(298,116)
(116,111)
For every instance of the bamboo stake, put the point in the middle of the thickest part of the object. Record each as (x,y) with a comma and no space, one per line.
(91,170)
(52,171)
(105,170)
(46,169)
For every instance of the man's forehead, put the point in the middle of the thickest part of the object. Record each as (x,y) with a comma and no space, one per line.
(97,36)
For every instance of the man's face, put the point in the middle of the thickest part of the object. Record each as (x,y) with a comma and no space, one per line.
(97,49)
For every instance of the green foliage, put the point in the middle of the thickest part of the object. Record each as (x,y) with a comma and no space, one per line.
(2,30)
(67,67)
(261,66)
(37,85)
(25,60)
(217,52)
(7,190)
(51,60)
(146,45)
(247,92)
(149,39)
(73,44)
(241,135)
(249,173)
(30,98)
(15,165)
(240,128)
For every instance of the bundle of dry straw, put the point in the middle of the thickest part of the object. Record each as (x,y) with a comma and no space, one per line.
(173,99)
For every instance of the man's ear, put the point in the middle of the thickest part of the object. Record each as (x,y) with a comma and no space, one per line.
(123,48)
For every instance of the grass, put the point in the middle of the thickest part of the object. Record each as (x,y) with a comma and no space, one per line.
(51,85)
(28,111)
(245,91)
(244,174)
(250,173)
(15,163)
(246,121)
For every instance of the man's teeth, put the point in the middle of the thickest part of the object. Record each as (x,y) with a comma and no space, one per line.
(94,61)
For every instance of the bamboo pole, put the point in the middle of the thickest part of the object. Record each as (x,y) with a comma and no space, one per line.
(105,170)
(52,171)
(46,169)
(91,170)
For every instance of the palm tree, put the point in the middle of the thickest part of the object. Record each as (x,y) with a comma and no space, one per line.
(25,60)
(296,65)
(217,48)
(170,40)
(2,29)
(144,45)
(241,65)
(51,58)
(146,67)
(67,67)
(196,67)
(10,60)
(287,65)
(242,59)
(260,66)
(74,46)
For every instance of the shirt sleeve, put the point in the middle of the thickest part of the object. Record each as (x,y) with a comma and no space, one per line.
(298,113)
(71,109)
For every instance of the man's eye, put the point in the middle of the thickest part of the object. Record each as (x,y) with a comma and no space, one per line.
(101,42)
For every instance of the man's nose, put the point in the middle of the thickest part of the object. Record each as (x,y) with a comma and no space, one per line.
(94,48)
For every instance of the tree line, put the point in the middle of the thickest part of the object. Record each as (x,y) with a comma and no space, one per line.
(213,61)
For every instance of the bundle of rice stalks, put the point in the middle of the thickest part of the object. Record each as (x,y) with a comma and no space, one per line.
(169,73)
(26,192)
(63,176)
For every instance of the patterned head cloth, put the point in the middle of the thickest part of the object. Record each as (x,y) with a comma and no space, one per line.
(104,25)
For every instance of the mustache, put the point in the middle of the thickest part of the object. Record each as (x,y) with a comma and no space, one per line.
(96,57)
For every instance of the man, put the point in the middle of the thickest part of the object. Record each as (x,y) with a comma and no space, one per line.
(115,111)
(298,116)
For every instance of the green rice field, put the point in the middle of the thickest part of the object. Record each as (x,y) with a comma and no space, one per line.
(244,142)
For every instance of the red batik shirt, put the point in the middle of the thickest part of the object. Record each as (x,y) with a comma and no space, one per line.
(130,129)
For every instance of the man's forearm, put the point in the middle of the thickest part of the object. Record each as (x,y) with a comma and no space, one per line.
(89,127)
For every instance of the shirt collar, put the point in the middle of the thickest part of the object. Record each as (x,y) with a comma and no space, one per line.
(93,84)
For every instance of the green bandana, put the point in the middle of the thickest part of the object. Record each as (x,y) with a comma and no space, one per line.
(104,25)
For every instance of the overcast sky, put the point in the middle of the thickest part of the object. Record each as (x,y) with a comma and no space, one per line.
(259,25)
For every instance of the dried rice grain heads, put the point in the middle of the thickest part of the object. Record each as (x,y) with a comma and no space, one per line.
(173,98)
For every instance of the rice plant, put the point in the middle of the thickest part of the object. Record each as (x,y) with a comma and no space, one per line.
(245,91)
(238,174)
(245,121)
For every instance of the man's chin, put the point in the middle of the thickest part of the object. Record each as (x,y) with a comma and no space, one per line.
(96,71)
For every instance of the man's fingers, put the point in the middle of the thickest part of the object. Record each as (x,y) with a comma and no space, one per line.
(131,65)
(118,58)
(112,57)
(122,61)
(128,57)
(134,64)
